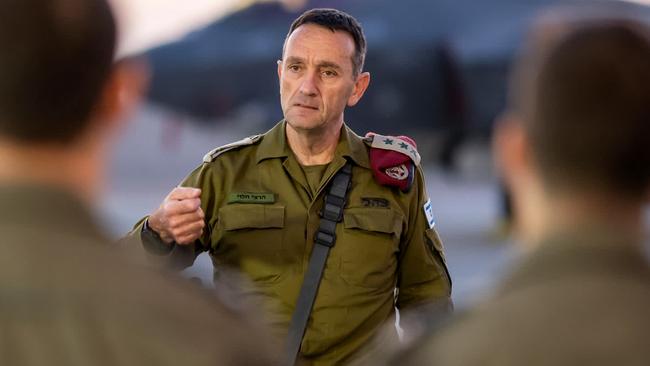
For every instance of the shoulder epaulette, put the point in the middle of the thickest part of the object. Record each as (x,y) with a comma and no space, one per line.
(395,143)
(209,157)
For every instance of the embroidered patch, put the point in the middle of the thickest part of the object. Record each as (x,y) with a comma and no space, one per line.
(374,202)
(251,197)
(399,172)
(428,212)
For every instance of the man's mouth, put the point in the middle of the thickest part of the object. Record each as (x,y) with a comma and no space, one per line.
(305,106)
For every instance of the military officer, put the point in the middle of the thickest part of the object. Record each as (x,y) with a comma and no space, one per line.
(255,205)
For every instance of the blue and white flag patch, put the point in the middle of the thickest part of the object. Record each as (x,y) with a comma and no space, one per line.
(428,212)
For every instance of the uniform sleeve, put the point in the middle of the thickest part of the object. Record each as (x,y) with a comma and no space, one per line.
(175,256)
(423,275)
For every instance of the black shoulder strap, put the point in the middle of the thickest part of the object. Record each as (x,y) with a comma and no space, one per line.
(331,214)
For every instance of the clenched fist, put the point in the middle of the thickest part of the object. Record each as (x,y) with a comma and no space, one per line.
(180,217)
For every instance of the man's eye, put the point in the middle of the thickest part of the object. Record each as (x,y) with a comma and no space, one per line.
(294,68)
(329,73)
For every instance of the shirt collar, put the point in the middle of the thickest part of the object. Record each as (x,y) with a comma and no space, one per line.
(353,146)
(274,145)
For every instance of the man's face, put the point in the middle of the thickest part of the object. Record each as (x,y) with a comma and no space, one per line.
(317,79)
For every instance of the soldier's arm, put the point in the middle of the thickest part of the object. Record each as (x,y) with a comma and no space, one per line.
(174,235)
(423,276)
(192,240)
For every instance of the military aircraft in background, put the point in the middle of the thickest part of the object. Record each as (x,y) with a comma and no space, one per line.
(438,65)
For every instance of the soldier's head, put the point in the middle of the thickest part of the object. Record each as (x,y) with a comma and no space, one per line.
(56,68)
(579,113)
(335,20)
(321,69)
(583,98)
(62,96)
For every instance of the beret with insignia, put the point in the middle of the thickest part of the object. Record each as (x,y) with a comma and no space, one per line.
(393,160)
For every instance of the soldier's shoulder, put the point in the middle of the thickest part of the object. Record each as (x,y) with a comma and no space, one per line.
(402,145)
(237,145)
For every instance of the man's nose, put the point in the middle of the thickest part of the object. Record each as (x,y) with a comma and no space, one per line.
(309,86)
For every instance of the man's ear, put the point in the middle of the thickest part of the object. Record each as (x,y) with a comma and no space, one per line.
(123,92)
(511,149)
(360,86)
(279,70)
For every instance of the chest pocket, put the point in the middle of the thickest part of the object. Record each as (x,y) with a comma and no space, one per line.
(368,246)
(251,239)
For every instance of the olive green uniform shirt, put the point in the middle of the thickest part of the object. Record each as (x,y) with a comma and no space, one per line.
(262,217)
(580,298)
(67,299)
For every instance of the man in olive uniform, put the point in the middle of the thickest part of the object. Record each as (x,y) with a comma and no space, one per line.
(255,205)
(66,298)
(574,149)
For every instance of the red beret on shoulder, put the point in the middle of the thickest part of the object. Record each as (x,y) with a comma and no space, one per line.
(393,160)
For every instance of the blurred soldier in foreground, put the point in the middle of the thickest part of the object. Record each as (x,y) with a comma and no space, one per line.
(574,148)
(273,205)
(65,297)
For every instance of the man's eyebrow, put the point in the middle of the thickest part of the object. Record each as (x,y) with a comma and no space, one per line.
(322,64)
(294,59)
(329,64)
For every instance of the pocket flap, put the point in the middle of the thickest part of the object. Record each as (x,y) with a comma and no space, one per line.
(254,216)
(373,219)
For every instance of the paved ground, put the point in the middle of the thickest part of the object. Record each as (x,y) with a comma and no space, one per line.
(157,150)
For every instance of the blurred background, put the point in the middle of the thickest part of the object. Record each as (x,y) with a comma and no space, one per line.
(439,73)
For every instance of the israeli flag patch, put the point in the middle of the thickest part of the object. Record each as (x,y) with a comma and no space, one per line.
(428,212)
